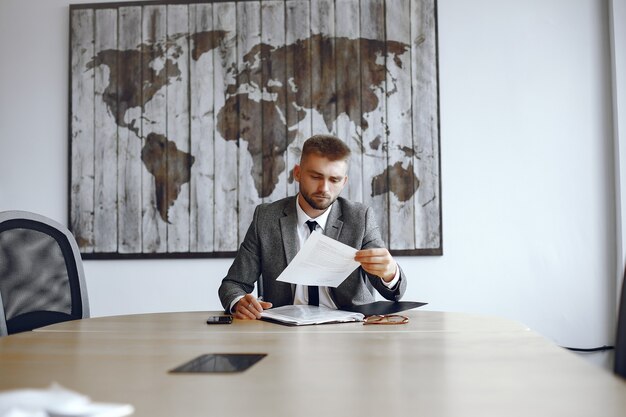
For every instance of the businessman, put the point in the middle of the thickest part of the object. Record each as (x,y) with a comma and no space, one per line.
(279,229)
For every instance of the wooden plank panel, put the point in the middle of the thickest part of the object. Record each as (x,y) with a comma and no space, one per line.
(178,161)
(82,129)
(426,124)
(154,121)
(323,67)
(250,112)
(275,104)
(129,144)
(374,107)
(402,181)
(298,79)
(105,163)
(349,126)
(225,58)
(202,128)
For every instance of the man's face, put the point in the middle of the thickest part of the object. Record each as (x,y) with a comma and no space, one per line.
(321,180)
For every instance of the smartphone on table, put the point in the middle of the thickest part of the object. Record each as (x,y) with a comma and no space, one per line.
(219,320)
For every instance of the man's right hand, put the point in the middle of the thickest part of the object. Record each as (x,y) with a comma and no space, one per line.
(249,308)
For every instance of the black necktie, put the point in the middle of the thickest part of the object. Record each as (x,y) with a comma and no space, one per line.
(314,295)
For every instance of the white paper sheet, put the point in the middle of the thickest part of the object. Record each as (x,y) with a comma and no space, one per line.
(56,401)
(321,261)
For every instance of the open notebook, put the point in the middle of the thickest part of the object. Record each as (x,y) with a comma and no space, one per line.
(301,315)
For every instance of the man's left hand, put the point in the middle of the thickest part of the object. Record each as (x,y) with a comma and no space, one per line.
(378,262)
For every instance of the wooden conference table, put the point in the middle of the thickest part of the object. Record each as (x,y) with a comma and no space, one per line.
(439,364)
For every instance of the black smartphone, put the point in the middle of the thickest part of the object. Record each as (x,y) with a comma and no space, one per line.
(219,320)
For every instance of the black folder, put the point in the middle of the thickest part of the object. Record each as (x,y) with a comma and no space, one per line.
(385,307)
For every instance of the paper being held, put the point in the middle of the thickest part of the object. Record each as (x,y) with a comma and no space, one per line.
(321,261)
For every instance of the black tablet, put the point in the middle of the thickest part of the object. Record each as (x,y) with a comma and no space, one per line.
(385,307)
(220,362)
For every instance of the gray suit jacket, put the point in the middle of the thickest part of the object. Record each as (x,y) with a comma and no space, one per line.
(270,244)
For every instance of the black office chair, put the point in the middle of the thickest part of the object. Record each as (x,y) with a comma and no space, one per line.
(3,322)
(41,273)
(620,339)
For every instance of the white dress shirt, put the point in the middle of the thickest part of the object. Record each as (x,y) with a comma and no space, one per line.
(301,292)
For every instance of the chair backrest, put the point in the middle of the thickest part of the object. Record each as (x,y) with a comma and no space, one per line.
(620,339)
(41,273)
(3,322)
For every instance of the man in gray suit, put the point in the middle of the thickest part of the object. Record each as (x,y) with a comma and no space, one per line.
(279,229)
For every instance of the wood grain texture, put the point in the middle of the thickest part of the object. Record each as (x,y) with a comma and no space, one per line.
(374,138)
(202,126)
(178,123)
(129,144)
(402,181)
(250,112)
(298,63)
(106,145)
(426,124)
(82,93)
(226,151)
(323,85)
(348,81)
(154,119)
(274,129)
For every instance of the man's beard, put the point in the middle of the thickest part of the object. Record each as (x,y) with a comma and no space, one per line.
(314,204)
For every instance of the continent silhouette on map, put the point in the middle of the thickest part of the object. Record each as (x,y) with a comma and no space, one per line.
(170,167)
(291,87)
(241,117)
(402,182)
(133,77)
(206,41)
(133,82)
(128,72)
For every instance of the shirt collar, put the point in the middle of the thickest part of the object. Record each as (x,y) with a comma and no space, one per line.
(303,217)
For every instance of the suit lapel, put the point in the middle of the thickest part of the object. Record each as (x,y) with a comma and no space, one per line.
(289,224)
(334,224)
(288,229)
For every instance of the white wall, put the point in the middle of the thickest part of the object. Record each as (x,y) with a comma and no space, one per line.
(527,167)
(617,13)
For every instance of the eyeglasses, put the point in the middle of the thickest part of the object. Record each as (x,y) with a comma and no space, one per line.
(386,319)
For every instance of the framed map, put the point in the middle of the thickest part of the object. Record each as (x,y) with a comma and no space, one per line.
(186,115)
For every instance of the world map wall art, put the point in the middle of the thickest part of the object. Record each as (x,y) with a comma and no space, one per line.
(186,115)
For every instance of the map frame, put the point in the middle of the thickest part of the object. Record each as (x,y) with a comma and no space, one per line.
(185,115)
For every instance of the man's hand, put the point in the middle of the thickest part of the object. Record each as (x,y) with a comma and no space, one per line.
(378,262)
(249,308)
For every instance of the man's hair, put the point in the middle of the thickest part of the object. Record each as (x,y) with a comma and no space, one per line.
(327,146)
